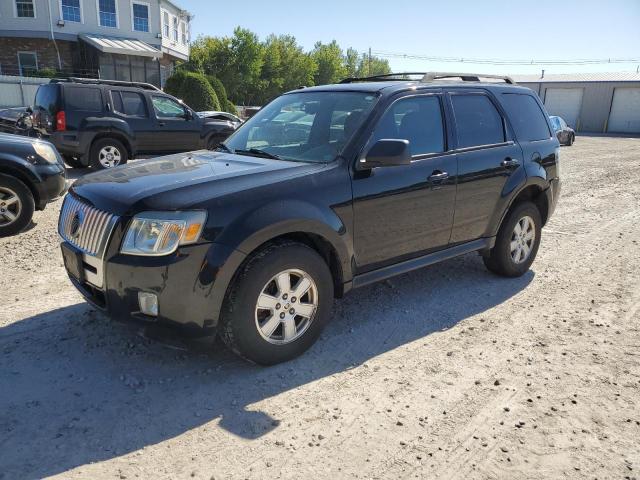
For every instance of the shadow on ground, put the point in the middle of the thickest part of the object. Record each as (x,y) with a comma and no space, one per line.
(77,388)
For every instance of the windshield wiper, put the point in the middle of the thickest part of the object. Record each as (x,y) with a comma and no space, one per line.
(223,146)
(258,153)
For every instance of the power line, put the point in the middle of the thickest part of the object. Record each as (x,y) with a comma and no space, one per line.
(496,61)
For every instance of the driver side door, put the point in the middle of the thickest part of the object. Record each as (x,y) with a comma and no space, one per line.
(178,132)
(406,211)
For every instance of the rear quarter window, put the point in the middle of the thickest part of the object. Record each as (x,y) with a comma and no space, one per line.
(47,98)
(526,116)
(83,99)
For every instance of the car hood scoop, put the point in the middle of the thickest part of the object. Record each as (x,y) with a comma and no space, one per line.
(180,181)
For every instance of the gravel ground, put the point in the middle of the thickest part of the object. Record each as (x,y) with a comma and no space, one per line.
(448,372)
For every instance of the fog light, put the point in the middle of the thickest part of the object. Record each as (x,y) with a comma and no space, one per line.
(148,303)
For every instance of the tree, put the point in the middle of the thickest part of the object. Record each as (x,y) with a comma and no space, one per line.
(198,93)
(372,66)
(329,58)
(352,62)
(286,67)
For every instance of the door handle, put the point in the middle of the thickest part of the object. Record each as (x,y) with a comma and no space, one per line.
(161,124)
(509,162)
(438,176)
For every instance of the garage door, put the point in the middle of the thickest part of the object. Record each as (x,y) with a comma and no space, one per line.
(625,111)
(565,103)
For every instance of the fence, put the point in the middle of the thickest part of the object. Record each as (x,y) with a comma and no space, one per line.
(19,91)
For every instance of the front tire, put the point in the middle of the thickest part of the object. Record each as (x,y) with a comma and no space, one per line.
(517,242)
(279,303)
(16,206)
(108,153)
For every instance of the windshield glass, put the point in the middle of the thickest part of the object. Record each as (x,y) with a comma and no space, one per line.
(306,127)
(555,121)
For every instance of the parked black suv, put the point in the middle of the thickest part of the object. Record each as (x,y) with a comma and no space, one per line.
(325,189)
(31,175)
(103,123)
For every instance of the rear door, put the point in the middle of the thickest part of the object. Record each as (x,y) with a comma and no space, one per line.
(131,107)
(175,132)
(487,156)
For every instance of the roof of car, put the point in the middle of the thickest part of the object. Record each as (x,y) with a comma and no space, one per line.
(393,86)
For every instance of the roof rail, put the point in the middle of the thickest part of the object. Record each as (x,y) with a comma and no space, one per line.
(388,77)
(465,77)
(98,81)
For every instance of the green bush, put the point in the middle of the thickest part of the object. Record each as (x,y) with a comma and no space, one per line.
(47,72)
(198,93)
(230,107)
(173,85)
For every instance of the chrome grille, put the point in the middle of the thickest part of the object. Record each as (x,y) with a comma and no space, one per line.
(84,226)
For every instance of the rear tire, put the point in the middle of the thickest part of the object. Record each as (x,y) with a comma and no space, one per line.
(259,318)
(16,206)
(571,140)
(108,153)
(517,242)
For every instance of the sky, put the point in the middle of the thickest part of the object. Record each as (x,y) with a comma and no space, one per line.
(490,29)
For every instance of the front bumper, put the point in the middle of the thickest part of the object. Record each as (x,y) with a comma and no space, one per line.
(52,184)
(190,285)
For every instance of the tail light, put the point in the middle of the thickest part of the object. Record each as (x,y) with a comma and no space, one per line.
(61,121)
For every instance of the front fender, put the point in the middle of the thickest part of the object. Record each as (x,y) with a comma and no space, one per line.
(275,219)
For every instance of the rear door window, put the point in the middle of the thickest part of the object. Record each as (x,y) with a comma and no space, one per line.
(83,99)
(527,118)
(129,103)
(417,119)
(478,122)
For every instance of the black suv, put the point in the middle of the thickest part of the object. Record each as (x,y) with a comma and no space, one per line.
(103,123)
(325,189)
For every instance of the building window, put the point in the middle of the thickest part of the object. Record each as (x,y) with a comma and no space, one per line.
(25,9)
(107,13)
(165,24)
(71,10)
(140,17)
(183,33)
(28,63)
(175,29)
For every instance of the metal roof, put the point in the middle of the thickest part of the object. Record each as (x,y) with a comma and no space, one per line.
(579,77)
(123,46)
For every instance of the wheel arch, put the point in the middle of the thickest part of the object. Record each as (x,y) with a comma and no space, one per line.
(534,192)
(116,136)
(23,176)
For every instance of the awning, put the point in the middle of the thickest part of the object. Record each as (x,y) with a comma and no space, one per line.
(122,46)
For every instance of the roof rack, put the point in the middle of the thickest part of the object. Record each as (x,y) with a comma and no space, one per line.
(388,77)
(97,81)
(427,77)
(465,77)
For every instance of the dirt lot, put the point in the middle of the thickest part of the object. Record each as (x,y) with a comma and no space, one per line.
(448,372)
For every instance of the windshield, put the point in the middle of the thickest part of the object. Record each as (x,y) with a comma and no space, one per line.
(306,127)
(555,121)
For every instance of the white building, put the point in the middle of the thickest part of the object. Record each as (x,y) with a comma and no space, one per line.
(138,40)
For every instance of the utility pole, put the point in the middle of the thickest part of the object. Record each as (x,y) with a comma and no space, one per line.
(369,61)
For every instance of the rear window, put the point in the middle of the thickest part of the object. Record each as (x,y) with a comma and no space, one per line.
(83,99)
(478,122)
(47,98)
(526,116)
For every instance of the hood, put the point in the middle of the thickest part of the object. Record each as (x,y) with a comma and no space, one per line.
(182,181)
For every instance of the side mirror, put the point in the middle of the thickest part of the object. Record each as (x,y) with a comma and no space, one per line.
(29,110)
(188,114)
(386,153)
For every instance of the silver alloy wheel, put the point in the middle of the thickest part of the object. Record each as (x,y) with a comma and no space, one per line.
(522,239)
(286,306)
(10,206)
(109,156)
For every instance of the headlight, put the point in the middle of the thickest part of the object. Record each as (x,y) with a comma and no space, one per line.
(46,151)
(160,233)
